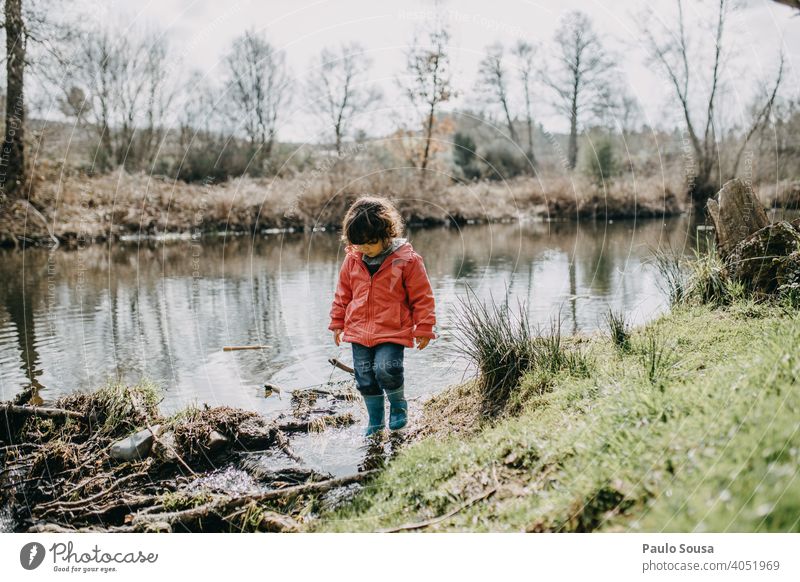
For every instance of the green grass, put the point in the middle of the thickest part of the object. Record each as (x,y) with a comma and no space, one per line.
(657,357)
(693,429)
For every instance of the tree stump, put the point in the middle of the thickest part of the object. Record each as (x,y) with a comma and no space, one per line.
(768,261)
(737,213)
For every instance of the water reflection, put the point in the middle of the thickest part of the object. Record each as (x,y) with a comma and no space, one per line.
(71,320)
(164,310)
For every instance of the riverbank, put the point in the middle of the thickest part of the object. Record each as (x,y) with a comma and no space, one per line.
(689,425)
(80,210)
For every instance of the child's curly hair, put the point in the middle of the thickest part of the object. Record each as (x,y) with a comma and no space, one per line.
(371,219)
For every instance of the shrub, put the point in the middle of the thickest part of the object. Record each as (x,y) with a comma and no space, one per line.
(600,163)
(503,162)
(464,155)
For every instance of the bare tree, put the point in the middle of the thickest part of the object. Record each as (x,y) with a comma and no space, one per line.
(614,107)
(197,110)
(628,113)
(669,50)
(201,136)
(493,80)
(12,155)
(429,84)
(762,110)
(524,54)
(336,88)
(582,66)
(128,91)
(783,145)
(32,28)
(257,89)
(159,93)
(95,71)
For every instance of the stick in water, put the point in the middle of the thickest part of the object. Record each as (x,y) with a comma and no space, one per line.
(340,365)
(237,348)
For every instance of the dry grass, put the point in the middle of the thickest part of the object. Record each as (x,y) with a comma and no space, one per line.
(111,205)
(457,410)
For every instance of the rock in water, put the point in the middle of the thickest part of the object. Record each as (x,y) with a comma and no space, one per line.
(768,260)
(737,213)
(135,447)
(217,441)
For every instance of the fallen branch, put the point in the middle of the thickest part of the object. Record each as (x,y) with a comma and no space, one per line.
(283,444)
(426,523)
(341,366)
(83,484)
(239,348)
(22,482)
(270,521)
(58,413)
(336,395)
(57,528)
(72,505)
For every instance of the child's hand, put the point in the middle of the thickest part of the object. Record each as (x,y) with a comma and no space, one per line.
(422,342)
(337,336)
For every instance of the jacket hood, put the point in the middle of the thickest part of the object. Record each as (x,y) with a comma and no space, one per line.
(404,251)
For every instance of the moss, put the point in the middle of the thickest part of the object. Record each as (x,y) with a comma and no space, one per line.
(180,501)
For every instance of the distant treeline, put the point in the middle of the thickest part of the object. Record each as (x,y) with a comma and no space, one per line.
(127,102)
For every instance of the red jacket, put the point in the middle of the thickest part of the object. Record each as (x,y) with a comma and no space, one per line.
(394,305)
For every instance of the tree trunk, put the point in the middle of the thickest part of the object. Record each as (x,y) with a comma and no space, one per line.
(428,138)
(573,139)
(509,122)
(531,156)
(12,161)
(572,152)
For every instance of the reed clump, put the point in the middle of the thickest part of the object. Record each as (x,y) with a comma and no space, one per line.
(503,346)
(619,329)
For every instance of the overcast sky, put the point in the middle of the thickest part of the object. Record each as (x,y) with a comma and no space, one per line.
(202,30)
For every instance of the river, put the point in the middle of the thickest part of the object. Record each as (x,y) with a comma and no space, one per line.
(70,320)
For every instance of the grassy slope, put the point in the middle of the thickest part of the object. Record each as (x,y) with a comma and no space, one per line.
(709,444)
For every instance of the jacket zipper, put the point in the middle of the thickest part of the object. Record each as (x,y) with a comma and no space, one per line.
(370,302)
(371,309)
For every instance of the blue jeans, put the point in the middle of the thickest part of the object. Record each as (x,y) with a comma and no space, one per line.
(379,368)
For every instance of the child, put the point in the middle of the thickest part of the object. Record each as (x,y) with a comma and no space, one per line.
(383,303)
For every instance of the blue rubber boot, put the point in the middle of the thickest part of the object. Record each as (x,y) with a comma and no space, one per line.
(398,408)
(375,411)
